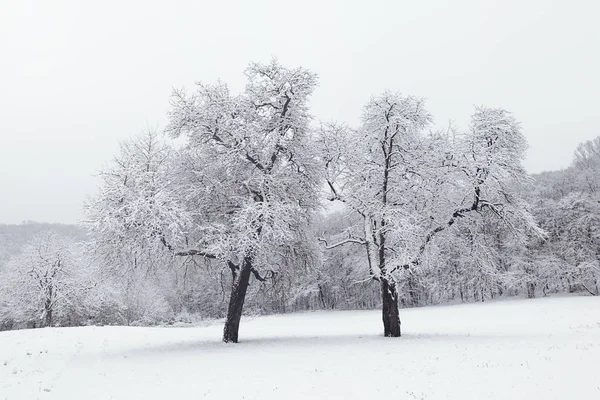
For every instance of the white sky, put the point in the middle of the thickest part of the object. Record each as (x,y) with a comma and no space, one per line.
(78,76)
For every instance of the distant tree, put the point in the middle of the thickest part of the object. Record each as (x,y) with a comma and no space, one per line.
(587,154)
(338,280)
(567,206)
(580,239)
(46,278)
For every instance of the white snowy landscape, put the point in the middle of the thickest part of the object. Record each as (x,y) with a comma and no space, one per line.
(514,349)
(299,200)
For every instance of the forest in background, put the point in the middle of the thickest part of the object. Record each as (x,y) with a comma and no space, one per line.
(234,217)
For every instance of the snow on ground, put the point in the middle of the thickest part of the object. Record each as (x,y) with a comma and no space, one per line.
(515,349)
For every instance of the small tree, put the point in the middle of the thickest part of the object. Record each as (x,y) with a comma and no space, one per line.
(44,279)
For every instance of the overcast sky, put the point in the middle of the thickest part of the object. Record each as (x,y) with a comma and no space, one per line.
(78,76)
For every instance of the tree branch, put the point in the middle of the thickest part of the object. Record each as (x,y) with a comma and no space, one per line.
(194,252)
(257,275)
(343,242)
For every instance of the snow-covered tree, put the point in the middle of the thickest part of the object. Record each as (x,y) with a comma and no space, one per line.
(242,187)
(46,278)
(410,187)
(370,169)
(136,211)
(251,175)
(566,205)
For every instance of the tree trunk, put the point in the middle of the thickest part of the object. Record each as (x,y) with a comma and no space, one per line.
(413,291)
(530,290)
(236,302)
(322,297)
(48,316)
(48,308)
(571,287)
(391,316)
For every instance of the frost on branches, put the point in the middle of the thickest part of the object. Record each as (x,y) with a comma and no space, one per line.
(136,210)
(567,205)
(46,280)
(239,191)
(411,187)
(237,182)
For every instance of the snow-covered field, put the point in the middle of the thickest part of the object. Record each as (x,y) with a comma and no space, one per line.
(514,349)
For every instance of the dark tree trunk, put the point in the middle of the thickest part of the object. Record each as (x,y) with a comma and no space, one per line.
(48,317)
(571,286)
(48,309)
(413,291)
(391,315)
(530,290)
(389,292)
(236,301)
(322,297)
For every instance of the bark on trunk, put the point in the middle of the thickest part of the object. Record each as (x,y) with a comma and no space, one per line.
(48,309)
(413,291)
(236,302)
(571,287)
(48,318)
(530,290)
(322,297)
(390,314)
